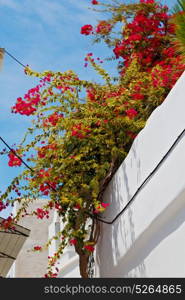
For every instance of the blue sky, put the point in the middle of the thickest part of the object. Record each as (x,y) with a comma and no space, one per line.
(46,35)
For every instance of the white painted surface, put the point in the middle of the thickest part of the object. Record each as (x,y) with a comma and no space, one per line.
(149,238)
(69,261)
(32,264)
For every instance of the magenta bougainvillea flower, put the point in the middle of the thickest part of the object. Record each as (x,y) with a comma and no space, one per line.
(87,29)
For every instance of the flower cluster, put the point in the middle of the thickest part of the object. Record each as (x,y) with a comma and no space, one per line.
(144,37)
(24,108)
(148,39)
(7,223)
(89,248)
(32,98)
(41,213)
(14,161)
(87,29)
(103,27)
(101,207)
(131,113)
(94,2)
(52,119)
(28,105)
(51,274)
(79,131)
(3,205)
(42,151)
(37,248)
(45,188)
(73,242)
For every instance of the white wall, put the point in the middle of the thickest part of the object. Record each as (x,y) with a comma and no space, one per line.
(32,264)
(148,240)
(69,261)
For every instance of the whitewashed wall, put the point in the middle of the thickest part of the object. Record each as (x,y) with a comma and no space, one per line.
(148,240)
(30,264)
(69,261)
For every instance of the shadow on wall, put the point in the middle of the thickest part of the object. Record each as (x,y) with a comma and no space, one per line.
(123,227)
(115,265)
(118,250)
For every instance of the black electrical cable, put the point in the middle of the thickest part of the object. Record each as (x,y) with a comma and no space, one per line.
(135,194)
(14,58)
(24,163)
(143,183)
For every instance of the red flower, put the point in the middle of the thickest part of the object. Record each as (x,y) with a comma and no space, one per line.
(45,188)
(103,27)
(74,132)
(78,126)
(37,248)
(147,1)
(80,136)
(52,119)
(101,207)
(43,150)
(98,123)
(135,37)
(137,96)
(7,223)
(169,52)
(2,205)
(77,206)
(73,242)
(50,274)
(91,95)
(89,248)
(131,113)
(105,205)
(119,50)
(78,131)
(87,29)
(50,204)
(150,1)
(14,161)
(131,134)
(42,213)
(94,2)
(28,106)
(58,206)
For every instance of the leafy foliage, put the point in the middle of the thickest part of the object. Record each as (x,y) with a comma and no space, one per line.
(179,21)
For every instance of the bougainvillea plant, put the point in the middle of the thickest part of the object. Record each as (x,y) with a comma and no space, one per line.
(83,130)
(179,21)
